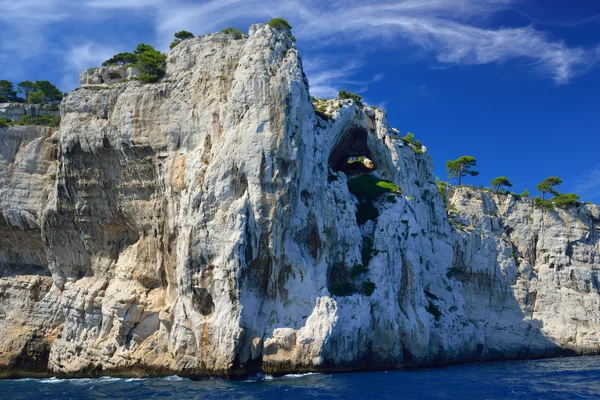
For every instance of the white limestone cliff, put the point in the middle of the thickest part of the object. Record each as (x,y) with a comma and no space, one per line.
(16,111)
(199,225)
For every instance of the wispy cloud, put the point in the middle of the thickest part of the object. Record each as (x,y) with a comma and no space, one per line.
(451,32)
(588,185)
(83,56)
(328,75)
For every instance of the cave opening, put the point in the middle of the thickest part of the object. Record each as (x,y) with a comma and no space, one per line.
(114,75)
(352,155)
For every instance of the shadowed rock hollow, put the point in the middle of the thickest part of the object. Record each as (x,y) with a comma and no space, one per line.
(204,225)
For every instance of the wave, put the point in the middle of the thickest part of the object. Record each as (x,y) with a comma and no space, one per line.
(299,376)
(175,378)
(260,377)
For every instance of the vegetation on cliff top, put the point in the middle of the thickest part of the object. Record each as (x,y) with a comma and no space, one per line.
(180,37)
(237,34)
(343,94)
(546,187)
(461,167)
(500,182)
(38,92)
(146,58)
(281,25)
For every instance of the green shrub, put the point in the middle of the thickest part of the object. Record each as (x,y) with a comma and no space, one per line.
(565,199)
(434,310)
(342,289)
(441,187)
(368,188)
(409,138)
(542,203)
(121,59)
(281,25)
(237,34)
(368,288)
(180,37)
(36,97)
(147,59)
(52,176)
(4,122)
(357,270)
(46,120)
(417,147)
(525,194)
(342,94)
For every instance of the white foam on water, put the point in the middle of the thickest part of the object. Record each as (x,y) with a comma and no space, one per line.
(175,378)
(299,376)
(52,380)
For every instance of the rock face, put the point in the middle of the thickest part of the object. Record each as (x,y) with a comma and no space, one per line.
(107,75)
(16,111)
(205,225)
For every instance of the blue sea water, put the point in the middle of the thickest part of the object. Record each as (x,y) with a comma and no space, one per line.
(562,378)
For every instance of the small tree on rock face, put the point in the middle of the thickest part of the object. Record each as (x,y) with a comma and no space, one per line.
(150,62)
(237,34)
(180,37)
(500,182)
(547,186)
(121,59)
(410,137)
(460,167)
(281,25)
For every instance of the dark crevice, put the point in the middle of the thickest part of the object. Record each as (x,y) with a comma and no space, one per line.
(352,146)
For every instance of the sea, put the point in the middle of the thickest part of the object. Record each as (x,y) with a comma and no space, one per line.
(560,378)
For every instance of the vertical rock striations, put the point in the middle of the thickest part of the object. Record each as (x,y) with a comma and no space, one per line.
(210,224)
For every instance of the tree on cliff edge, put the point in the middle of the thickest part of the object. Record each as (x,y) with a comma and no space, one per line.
(180,37)
(25,88)
(500,182)
(281,25)
(460,167)
(51,93)
(121,59)
(548,186)
(150,62)
(7,92)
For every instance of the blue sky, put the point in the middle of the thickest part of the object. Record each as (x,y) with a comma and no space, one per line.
(514,83)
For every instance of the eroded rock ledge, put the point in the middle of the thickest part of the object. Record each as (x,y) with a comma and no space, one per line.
(202,225)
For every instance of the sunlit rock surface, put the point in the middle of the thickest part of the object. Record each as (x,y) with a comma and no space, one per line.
(203,224)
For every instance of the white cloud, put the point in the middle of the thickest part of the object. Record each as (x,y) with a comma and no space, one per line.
(588,185)
(452,32)
(88,55)
(81,57)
